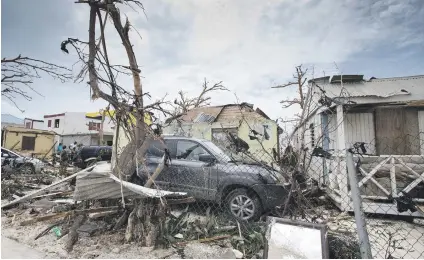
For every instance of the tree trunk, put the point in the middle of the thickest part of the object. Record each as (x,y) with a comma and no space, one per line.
(145,223)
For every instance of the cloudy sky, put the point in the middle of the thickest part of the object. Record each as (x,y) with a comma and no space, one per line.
(249,45)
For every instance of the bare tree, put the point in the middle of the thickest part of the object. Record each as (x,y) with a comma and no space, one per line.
(182,104)
(130,108)
(19,73)
(299,82)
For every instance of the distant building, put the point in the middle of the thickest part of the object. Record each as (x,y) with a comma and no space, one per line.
(80,127)
(28,141)
(33,124)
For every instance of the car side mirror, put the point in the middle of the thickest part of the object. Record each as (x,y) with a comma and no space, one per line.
(207,158)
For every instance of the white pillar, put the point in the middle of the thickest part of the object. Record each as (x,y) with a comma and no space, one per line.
(341,155)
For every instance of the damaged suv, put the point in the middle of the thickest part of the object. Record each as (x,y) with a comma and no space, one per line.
(203,170)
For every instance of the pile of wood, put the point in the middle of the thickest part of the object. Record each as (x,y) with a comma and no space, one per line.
(142,212)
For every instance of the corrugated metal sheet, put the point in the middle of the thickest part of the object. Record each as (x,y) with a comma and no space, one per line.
(359,127)
(191,115)
(101,184)
(381,88)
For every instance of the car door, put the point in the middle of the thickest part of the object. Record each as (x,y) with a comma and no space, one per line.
(188,173)
(153,158)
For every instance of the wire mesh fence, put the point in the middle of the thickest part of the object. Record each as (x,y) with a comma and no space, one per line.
(235,190)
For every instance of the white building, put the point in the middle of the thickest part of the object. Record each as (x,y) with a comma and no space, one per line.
(30,123)
(79,127)
(385,114)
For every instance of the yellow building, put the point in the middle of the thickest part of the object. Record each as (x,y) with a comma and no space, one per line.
(215,122)
(28,141)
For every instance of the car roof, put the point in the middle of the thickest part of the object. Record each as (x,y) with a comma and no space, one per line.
(170,137)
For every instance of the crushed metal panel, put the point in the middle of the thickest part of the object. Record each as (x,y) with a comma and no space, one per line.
(380,88)
(101,184)
(287,239)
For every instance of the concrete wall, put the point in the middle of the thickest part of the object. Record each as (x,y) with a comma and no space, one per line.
(61,129)
(43,142)
(76,123)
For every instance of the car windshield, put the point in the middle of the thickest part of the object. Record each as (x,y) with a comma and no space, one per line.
(13,153)
(230,156)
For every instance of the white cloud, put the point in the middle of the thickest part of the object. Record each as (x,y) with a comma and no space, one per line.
(249,45)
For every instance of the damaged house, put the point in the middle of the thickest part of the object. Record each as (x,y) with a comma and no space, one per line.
(381,119)
(214,123)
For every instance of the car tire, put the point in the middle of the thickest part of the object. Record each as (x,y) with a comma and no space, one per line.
(243,204)
(27,169)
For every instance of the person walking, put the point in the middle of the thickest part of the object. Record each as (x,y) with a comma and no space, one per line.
(64,158)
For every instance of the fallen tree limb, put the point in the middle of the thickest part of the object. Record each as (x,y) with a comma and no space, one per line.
(121,221)
(73,234)
(157,172)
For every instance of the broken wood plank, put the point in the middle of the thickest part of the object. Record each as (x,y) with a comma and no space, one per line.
(180,201)
(44,218)
(37,192)
(204,240)
(61,193)
(102,214)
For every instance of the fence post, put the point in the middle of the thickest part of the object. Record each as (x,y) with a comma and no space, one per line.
(361,226)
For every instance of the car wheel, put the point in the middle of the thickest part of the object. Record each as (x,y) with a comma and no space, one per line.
(244,205)
(27,169)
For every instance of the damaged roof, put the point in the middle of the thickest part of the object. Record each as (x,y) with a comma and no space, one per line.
(412,86)
(211,113)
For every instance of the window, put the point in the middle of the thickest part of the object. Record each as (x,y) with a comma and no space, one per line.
(156,149)
(49,123)
(93,126)
(56,123)
(28,125)
(189,150)
(28,143)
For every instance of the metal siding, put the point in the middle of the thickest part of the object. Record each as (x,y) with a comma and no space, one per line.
(397,131)
(421,129)
(359,127)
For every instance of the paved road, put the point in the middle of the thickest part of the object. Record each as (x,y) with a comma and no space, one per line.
(11,249)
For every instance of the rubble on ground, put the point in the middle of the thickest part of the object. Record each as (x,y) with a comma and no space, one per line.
(41,211)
